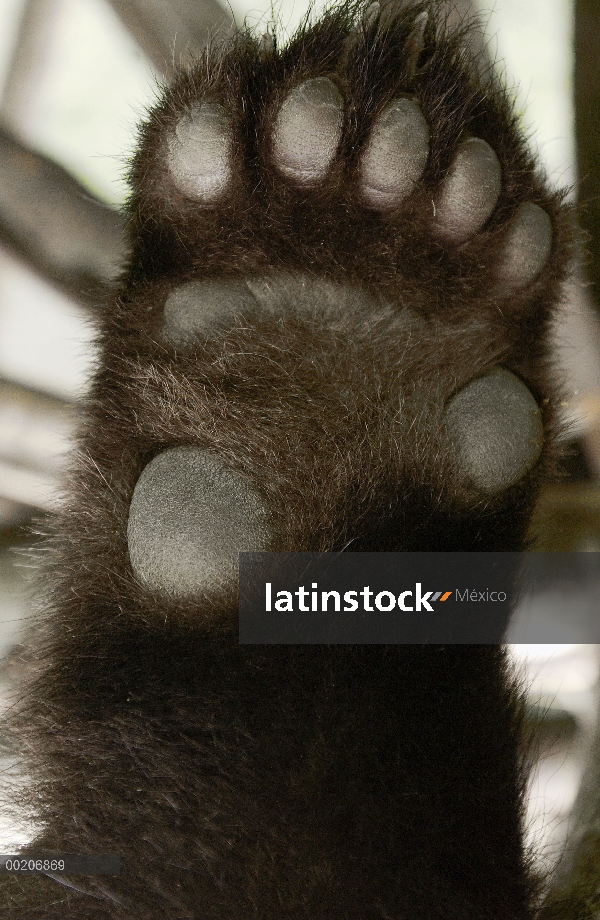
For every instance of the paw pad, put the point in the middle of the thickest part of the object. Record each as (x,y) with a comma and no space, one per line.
(199,307)
(496,425)
(189,518)
(307,131)
(199,154)
(526,248)
(469,193)
(395,155)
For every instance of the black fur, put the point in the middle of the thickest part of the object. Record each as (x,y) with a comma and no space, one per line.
(323,782)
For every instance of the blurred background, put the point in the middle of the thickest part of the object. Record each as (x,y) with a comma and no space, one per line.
(76,77)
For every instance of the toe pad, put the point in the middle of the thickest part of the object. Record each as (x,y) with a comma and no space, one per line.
(395,156)
(200,153)
(469,193)
(526,249)
(307,131)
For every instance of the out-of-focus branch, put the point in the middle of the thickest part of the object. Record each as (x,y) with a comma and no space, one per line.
(36,431)
(587,119)
(170,31)
(54,223)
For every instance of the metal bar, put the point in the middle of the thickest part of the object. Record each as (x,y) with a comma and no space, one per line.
(36,432)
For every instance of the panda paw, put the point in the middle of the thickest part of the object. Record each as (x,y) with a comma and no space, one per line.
(332,335)
(333,331)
